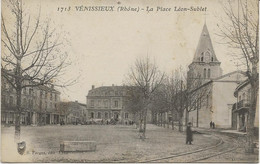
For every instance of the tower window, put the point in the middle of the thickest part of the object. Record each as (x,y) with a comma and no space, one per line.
(205,72)
(208,73)
(201,58)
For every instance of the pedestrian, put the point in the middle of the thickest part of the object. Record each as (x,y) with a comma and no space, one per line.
(213,125)
(189,134)
(210,124)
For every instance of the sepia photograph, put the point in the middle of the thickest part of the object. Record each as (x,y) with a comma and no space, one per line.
(129,81)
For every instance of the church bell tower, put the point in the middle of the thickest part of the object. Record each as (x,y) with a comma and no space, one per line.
(205,65)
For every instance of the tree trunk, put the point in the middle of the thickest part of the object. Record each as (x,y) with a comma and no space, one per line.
(186,117)
(249,148)
(180,124)
(144,129)
(167,120)
(164,119)
(18,115)
(172,121)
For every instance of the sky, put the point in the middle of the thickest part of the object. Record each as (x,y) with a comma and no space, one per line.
(103,45)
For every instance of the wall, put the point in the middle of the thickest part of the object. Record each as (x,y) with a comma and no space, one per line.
(222,98)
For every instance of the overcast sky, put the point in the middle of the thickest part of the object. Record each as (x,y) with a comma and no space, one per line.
(103,45)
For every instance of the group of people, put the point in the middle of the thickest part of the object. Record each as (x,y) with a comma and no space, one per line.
(212,125)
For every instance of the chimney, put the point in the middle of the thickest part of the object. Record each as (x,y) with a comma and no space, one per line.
(113,85)
(93,86)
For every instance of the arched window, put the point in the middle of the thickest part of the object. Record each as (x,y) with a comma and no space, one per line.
(208,73)
(106,115)
(99,115)
(201,58)
(205,72)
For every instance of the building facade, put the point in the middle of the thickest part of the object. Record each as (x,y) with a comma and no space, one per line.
(74,112)
(241,107)
(108,103)
(39,104)
(212,90)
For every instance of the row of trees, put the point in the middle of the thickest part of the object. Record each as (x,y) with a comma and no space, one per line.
(151,89)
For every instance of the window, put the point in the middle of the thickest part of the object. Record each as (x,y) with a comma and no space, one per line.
(205,72)
(11,101)
(106,115)
(40,103)
(92,103)
(99,103)
(244,96)
(208,73)
(116,93)
(30,103)
(201,58)
(126,115)
(92,114)
(99,115)
(106,103)
(116,103)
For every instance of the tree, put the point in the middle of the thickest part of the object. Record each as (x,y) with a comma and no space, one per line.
(31,53)
(172,95)
(240,31)
(134,104)
(145,75)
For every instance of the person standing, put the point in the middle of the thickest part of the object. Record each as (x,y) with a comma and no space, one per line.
(189,134)
(213,125)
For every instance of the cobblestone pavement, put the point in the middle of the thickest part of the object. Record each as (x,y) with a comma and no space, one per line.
(115,143)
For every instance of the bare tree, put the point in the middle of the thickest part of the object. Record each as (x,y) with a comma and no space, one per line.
(30,53)
(240,31)
(145,75)
(134,104)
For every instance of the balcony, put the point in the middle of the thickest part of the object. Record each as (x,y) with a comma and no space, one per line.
(241,106)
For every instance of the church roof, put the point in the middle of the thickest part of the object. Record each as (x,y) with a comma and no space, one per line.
(204,45)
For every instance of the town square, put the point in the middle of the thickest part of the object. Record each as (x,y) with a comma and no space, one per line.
(136,82)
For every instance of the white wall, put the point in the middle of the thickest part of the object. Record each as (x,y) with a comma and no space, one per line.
(223,95)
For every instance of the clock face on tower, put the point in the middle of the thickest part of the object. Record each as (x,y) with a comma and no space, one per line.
(207,56)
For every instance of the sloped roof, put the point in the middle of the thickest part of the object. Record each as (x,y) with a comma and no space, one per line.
(93,92)
(205,44)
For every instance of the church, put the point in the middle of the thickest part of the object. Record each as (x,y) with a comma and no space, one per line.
(212,93)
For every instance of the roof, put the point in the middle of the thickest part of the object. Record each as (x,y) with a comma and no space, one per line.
(227,75)
(219,79)
(99,91)
(205,44)
(240,86)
